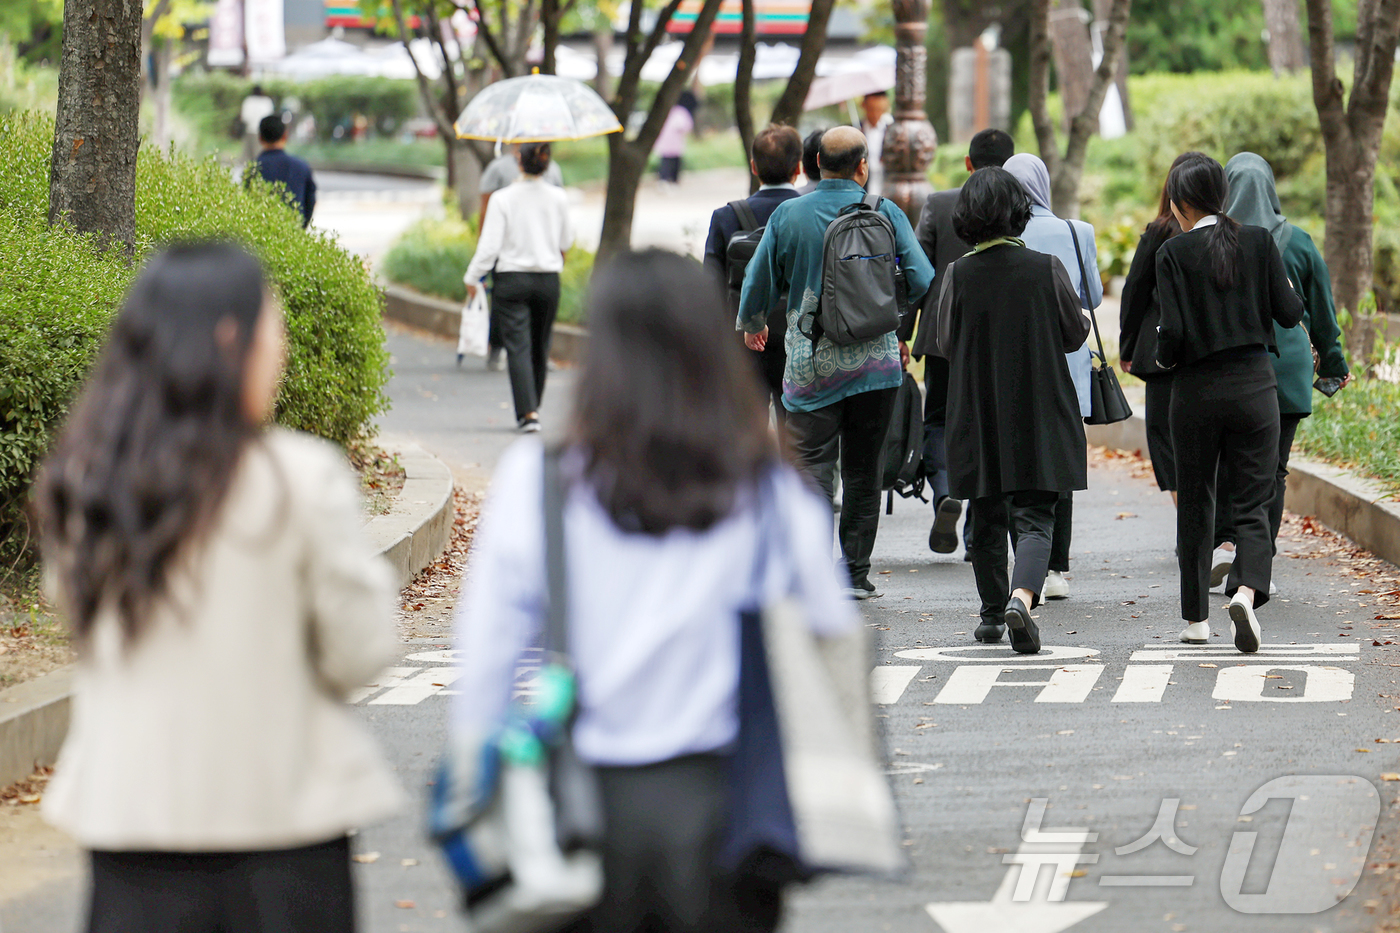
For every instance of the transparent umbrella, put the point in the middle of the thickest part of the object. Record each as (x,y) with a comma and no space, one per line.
(536,108)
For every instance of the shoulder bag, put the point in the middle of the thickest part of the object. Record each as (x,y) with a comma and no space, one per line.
(518,815)
(1108,404)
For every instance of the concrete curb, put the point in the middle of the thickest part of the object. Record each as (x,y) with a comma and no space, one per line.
(34,715)
(444,318)
(1352,505)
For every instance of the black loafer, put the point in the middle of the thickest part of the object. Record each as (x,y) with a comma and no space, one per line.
(943,536)
(1025,637)
(988,632)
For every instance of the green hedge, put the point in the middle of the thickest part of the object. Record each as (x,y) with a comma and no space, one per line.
(211,101)
(58,295)
(432,255)
(1357,428)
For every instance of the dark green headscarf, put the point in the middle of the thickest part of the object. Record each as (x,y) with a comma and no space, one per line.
(1253,199)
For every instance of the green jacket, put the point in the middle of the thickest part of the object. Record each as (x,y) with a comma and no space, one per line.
(1294,363)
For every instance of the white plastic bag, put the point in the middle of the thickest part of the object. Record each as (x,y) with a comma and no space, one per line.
(475,330)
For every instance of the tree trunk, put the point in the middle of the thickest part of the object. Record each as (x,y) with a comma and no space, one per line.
(1074,57)
(92,175)
(1351,135)
(466,178)
(627,158)
(743,85)
(1067,170)
(788,109)
(1102,9)
(602,45)
(549,19)
(1285,38)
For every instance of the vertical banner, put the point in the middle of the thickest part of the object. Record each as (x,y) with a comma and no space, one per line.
(267,37)
(226,34)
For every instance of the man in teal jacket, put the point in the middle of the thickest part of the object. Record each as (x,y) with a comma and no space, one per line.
(839,398)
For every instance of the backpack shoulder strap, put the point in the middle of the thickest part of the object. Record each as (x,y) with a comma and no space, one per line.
(747,219)
(872,201)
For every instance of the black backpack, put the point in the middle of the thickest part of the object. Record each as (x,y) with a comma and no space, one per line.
(902,457)
(740,249)
(863,290)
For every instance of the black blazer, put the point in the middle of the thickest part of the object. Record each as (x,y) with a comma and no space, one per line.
(942,246)
(1139,313)
(724,224)
(1199,318)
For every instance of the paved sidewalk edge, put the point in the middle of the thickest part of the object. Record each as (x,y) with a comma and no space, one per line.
(444,318)
(1352,505)
(34,714)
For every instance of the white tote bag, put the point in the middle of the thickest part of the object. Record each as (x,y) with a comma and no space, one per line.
(475,329)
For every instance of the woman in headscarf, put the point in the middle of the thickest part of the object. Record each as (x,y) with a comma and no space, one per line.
(1253,199)
(1072,242)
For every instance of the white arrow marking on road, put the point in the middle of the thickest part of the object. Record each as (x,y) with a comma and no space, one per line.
(1028,900)
(1247,683)
(1143,683)
(887,684)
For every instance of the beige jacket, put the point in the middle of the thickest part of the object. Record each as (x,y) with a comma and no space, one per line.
(224,726)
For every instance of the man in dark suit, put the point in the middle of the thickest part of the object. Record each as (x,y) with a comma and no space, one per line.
(275,164)
(776,160)
(943,246)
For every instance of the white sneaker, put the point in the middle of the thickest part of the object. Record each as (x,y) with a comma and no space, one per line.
(1197,633)
(1056,586)
(1273,588)
(1221,561)
(1243,625)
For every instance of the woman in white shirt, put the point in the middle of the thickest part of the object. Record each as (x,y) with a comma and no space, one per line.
(524,236)
(669,464)
(224,602)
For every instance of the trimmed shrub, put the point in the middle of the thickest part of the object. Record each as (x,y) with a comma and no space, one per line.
(1357,428)
(211,100)
(431,256)
(58,295)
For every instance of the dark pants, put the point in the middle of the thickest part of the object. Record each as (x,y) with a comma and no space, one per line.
(1157,415)
(1224,510)
(665,824)
(853,429)
(935,426)
(1062,534)
(1030,514)
(526,304)
(493,330)
(302,890)
(772,361)
(670,169)
(1224,409)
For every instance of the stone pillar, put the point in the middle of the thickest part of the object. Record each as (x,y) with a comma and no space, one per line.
(910,139)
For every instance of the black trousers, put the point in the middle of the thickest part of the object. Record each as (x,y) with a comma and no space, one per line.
(1224,409)
(526,304)
(1030,515)
(936,426)
(1157,415)
(772,361)
(853,428)
(302,890)
(1061,535)
(1224,509)
(665,825)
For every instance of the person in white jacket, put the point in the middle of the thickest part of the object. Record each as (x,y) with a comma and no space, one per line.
(224,602)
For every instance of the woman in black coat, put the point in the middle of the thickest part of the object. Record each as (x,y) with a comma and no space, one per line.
(1138,317)
(1221,286)
(1006,317)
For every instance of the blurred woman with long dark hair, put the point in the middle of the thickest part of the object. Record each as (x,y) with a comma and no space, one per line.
(225,602)
(1221,287)
(1139,315)
(679,515)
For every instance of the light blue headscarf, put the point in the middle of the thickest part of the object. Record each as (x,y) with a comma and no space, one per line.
(1033,176)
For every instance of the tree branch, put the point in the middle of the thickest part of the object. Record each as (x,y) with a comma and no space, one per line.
(449,70)
(1037,102)
(1373,84)
(425,89)
(484,30)
(788,108)
(639,50)
(1328,94)
(1085,123)
(681,71)
(743,83)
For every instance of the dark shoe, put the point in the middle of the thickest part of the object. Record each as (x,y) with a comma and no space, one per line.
(863,590)
(528,425)
(459,360)
(988,632)
(943,536)
(1025,637)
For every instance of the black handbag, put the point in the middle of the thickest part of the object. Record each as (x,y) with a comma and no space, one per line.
(1107,403)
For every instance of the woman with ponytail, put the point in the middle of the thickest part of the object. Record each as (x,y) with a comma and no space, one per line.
(1221,288)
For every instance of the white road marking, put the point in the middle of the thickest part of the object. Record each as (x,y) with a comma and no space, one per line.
(1143,683)
(969,684)
(1249,683)
(390,677)
(1266,652)
(418,688)
(887,684)
(1000,654)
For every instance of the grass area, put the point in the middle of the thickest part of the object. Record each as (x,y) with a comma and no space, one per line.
(1357,429)
(377,152)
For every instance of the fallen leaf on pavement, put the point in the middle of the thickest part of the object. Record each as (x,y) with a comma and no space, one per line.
(406,905)
(366,858)
(1390,776)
